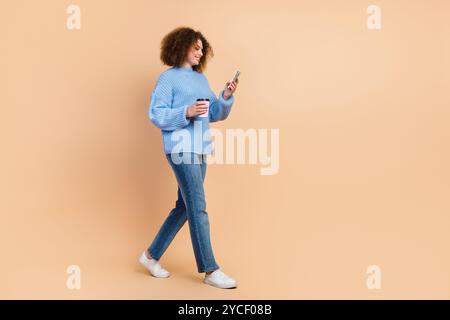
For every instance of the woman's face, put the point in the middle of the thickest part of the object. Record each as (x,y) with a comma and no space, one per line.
(195,53)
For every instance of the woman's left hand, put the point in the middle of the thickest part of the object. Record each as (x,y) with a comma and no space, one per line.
(230,88)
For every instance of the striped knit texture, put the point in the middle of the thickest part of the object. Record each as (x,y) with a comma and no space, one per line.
(176,89)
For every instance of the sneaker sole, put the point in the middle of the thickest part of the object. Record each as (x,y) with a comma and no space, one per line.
(219,286)
(141,260)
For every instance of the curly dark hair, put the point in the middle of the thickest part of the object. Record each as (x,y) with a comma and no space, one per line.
(176,44)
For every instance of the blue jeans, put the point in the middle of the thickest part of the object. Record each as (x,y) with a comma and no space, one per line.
(190,206)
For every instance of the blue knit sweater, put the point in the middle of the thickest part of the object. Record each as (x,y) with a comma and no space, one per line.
(176,89)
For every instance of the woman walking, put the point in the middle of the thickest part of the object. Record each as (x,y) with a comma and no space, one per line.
(184,123)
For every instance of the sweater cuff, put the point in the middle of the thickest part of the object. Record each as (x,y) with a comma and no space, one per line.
(185,119)
(226,103)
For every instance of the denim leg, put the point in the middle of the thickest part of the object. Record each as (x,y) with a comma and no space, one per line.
(169,229)
(190,177)
(175,221)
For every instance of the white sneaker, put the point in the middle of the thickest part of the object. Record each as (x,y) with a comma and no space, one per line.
(220,280)
(154,267)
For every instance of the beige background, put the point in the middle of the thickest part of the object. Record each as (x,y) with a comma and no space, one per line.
(364,136)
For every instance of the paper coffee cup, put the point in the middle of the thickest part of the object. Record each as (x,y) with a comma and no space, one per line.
(207,112)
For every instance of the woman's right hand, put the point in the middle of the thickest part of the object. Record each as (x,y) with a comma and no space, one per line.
(199,107)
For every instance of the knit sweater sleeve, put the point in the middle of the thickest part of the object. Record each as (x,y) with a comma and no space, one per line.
(219,109)
(161,112)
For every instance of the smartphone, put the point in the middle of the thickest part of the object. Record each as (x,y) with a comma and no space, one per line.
(235,76)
